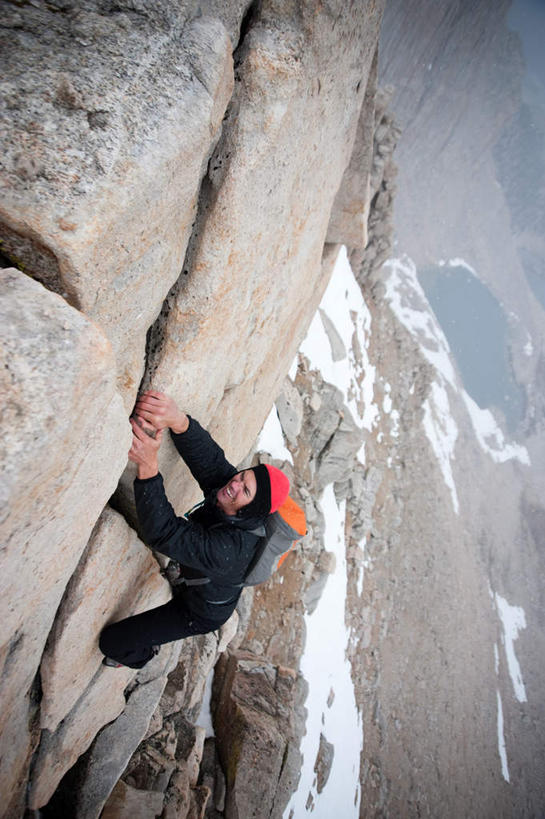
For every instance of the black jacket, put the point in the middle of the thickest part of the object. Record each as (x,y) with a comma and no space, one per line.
(208,543)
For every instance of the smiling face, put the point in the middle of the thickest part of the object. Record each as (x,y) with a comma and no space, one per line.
(239,492)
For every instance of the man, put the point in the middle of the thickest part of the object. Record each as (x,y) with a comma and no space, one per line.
(215,544)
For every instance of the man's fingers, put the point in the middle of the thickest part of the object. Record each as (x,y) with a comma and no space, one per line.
(143,418)
(137,430)
(149,399)
(148,406)
(152,395)
(142,432)
(144,424)
(142,413)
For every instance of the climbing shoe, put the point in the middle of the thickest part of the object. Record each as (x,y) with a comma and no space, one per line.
(111,663)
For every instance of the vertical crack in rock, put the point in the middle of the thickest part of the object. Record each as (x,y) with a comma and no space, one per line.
(110,132)
(218,164)
(248,21)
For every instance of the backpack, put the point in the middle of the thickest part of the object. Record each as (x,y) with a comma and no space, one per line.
(279,535)
(282,531)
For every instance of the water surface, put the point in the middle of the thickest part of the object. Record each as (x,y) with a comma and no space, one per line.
(477,330)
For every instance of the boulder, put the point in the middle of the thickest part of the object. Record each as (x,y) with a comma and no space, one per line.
(100,704)
(64,441)
(186,683)
(126,802)
(116,577)
(253,720)
(289,406)
(324,761)
(78,692)
(340,453)
(113,116)
(301,75)
(85,789)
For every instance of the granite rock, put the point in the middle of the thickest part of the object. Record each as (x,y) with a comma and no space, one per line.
(299,86)
(65,438)
(350,213)
(254,725)
(116,577)
(113,116)
(126,802)
(87,786)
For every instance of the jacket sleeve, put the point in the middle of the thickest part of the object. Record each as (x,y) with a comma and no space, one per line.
(213,552)
(204,457)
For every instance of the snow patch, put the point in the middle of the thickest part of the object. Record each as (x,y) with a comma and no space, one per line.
(271,438)
(394,431)
(343,304)
(442,433)
(490,436)
(361,570)
(293,369)
(458,262)
(513,619)
(501,741)
(359,581)
(205,717)
(325,666)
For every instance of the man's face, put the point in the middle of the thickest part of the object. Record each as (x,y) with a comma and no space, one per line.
(239,492)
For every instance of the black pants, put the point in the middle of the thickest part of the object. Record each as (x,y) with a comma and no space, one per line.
(130,641)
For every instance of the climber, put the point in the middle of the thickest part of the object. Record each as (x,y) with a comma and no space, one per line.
(214,544)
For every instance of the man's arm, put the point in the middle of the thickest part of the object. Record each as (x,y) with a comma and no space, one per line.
(204,457)
(215,554)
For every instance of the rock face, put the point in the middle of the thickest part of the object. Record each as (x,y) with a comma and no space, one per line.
(466,155)
(103,162)
(77,691)
(382,192)
(130,803)
(289,81)
(350,213)
(168,172)
(91,600)
(64,438)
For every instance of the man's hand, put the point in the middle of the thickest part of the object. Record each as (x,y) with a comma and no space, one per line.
(144,449)
(161,411)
